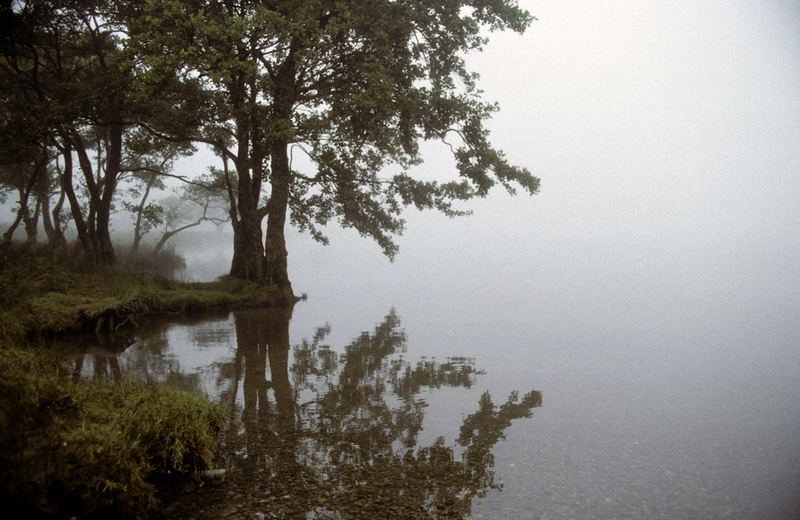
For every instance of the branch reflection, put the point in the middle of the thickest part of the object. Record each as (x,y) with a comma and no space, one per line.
(312,432)
(327,435)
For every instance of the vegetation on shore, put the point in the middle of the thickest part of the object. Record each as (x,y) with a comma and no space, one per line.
(90,449)
(42,296)
(73,448)
(101,98)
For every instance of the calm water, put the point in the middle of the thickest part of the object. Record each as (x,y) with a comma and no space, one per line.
(603,383)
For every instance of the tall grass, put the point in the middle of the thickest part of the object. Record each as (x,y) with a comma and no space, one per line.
(90,449)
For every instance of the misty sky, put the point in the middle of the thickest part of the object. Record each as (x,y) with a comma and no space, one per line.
(673,119)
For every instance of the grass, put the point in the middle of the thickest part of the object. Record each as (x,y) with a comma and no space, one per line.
(40,296)
(93,450)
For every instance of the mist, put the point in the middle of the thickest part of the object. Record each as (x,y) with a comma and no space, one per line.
(666,140)
(649,290)
(654,278)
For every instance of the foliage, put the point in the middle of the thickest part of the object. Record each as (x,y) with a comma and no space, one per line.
(68,85)
(91,449)
(125,87)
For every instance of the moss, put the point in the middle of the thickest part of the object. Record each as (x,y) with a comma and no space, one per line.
(90,449)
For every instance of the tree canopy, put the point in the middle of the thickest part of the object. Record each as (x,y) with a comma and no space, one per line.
(353,86)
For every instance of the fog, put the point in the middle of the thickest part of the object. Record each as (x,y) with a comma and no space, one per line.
(666,138)
(650,291)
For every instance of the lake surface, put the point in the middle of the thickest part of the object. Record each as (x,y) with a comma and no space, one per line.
(583,379)
(492,420)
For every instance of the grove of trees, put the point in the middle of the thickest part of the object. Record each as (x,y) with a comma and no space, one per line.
(98,99)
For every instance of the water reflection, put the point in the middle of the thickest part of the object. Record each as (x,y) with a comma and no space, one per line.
(313,433)
(102,351)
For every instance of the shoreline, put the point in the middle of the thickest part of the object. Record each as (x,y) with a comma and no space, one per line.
(74,303)
(78,448)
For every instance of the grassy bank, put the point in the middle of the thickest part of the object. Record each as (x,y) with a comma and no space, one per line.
(39,296)
(85,449)
(89,449)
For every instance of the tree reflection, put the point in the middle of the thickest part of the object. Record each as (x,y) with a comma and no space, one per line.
(315,433)
(103,350)
(108,357)
(327,435)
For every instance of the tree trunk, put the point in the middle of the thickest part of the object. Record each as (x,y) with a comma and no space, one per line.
(137,230)
(43,188)
(59,241)
(23,210)
(75,206)
(169,234)
(91,186)
(105,252)
(32,222)
(248,253)
(9,234)
(47,221)
(275,246)
(281,176)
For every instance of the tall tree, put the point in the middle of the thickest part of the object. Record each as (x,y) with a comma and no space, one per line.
(356,86)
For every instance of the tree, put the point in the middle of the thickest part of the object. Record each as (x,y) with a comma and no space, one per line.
(201,201)
(61,61)
(354,85)
(147,162)
(22,178)
(56,220)
(68,80)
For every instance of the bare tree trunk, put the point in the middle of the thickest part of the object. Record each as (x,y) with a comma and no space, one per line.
(137,230)
(47,223)
(248,247)
(32,223)
(91,186)
(74,205)
(105,251)
(59,241)
(280,180)
(248,252)
(22,211)
(42,192)
(169,234)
